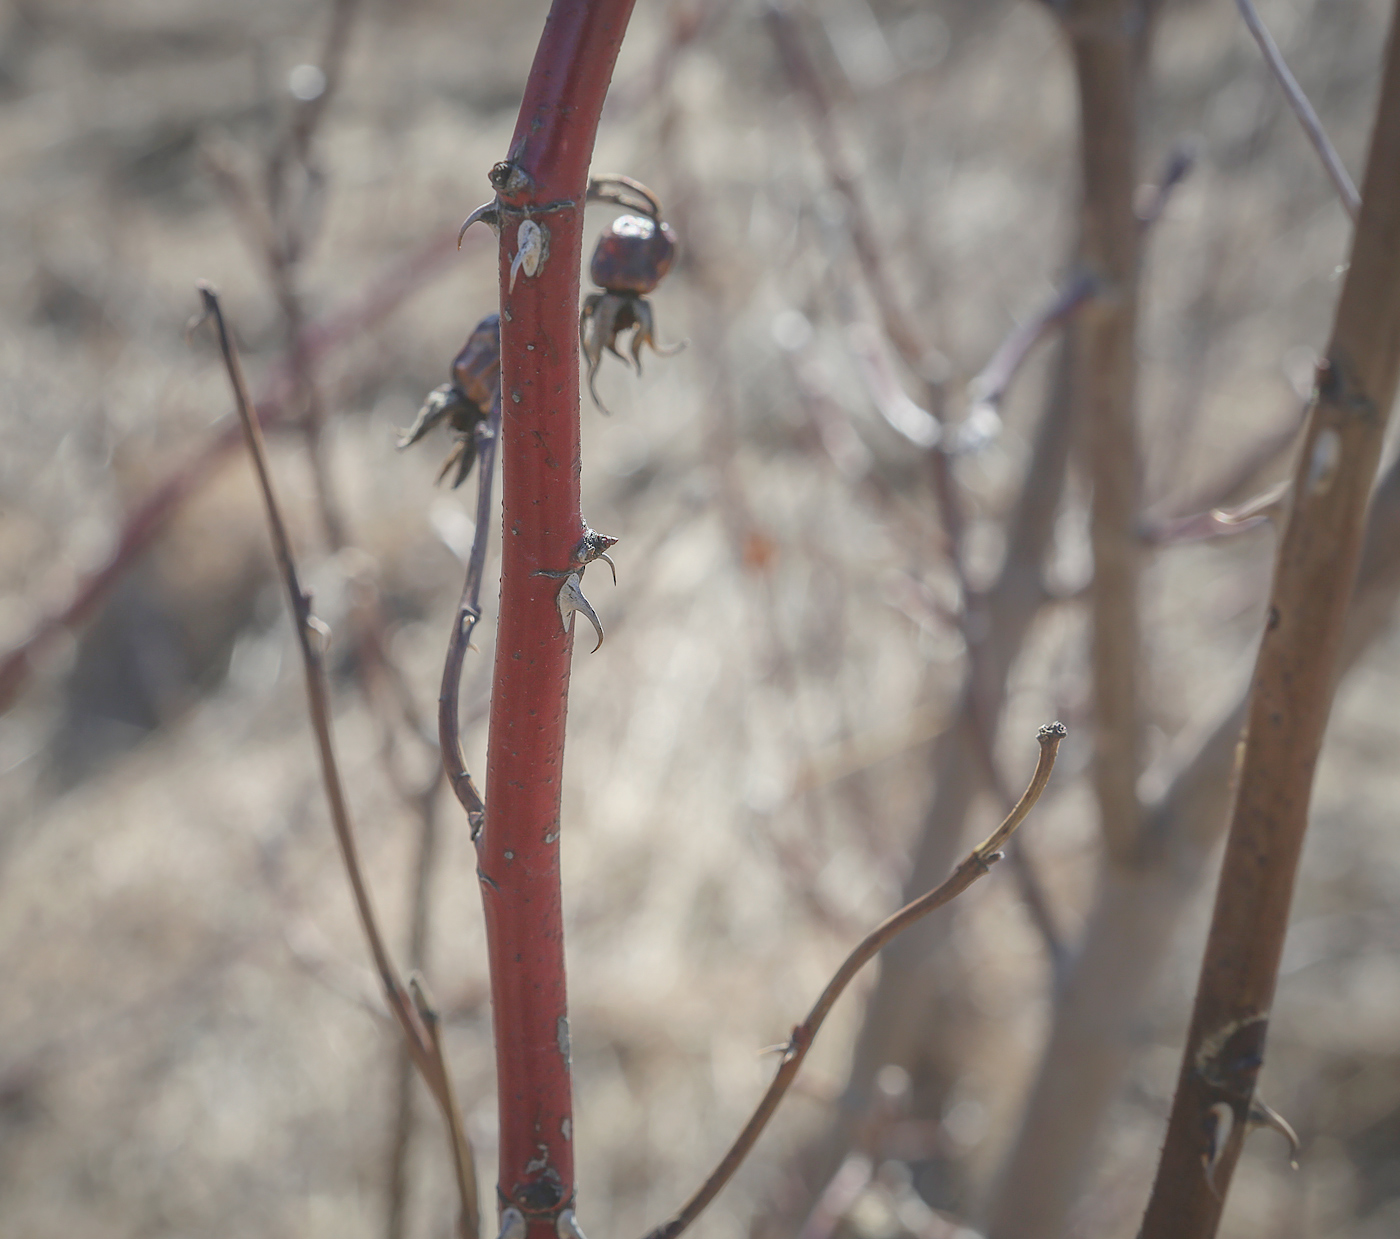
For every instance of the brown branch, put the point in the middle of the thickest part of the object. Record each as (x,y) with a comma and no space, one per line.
(1103,45)
(1131,926)
(419,1034)
(1293,685)
(1302,109)
(977,864)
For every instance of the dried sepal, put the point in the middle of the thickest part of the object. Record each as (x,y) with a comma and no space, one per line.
(465,403)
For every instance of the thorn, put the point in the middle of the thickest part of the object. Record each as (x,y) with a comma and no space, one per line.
(320,633)
(1261,1114)
(487,214)
(512,1223)
(566,1226)
(1219,1123)
(571,599)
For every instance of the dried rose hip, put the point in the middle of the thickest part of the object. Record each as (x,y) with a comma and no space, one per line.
(633,255)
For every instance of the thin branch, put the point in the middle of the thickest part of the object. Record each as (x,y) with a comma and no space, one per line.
(988,388)
(464,623)
(977,864)
(312,636)
(1302,109)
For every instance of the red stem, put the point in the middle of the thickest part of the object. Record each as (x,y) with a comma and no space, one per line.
(543,182)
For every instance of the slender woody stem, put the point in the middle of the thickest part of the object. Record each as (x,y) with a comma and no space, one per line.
(424,1046)
(1291,696)
(1302,109)
(977,864)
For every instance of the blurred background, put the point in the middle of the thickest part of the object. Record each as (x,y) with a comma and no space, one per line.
(191,1042)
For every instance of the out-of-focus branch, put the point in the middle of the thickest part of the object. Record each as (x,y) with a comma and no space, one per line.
(977,864)
(807,81)
(150,516)
(922,428)
(988,388)
(414,1017)
(1103,45)
(1294,681)
(1302,109)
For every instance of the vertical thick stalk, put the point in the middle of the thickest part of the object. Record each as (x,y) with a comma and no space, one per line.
(1291,697)
(1104,41)
(540,186)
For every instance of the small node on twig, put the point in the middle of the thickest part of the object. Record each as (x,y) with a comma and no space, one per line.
(466,402)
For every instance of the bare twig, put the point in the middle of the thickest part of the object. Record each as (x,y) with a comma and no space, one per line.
(976,865)
(1302,109)
(1293,685)
(419,1034)
(988,388)
(803,74)
(464,623)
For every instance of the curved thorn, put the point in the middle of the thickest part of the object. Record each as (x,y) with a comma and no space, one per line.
(486,213)
(1261,1114)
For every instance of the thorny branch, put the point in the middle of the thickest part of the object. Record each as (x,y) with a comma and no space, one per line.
(976,865)
(412,1011)
(1302,109)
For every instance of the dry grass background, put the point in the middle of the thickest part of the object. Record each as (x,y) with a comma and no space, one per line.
(188,1038)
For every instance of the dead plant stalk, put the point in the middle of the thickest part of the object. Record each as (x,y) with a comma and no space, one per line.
(411,1005)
